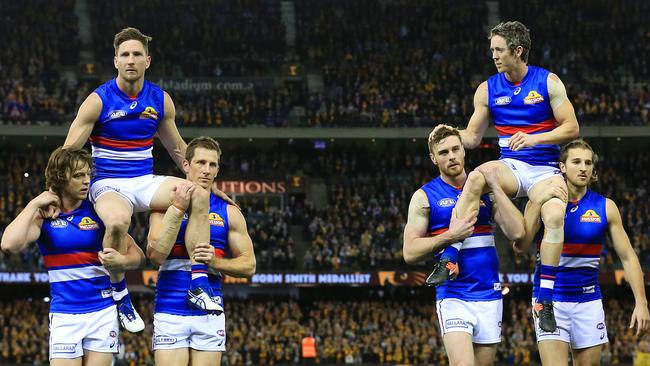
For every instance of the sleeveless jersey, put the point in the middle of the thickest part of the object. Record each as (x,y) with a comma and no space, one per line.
(523,107)
(585,228)
(122,139)
(175,275)
(479,266)
(69,245)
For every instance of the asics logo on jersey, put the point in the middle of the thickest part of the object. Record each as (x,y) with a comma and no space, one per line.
(502,101)
(590,216)
(533,97)
(517,91)
(446,202)
(574,209)
(116,114)
(133,105)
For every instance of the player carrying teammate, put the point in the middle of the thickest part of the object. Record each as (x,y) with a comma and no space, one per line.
(83,315)
(532,115)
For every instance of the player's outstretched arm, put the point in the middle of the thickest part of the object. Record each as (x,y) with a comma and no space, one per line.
(633,272)
(506,214)
(113,261)
(417,245)
(479,120)
(26,227)
(169,135)
(242,263)
(82,125)
(164,227)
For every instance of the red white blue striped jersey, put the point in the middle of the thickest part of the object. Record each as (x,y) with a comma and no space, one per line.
(175,275)
(69,245)
(585,229)
(523,107)
(122,139)
(479,266)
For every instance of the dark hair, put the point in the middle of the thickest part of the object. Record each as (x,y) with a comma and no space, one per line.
(202,141)
(128,34)
(516,34)
(580,144)
(440,134)
(61,166)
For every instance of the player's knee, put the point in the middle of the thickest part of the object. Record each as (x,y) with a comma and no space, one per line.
(116,223)
(475,182)
(553,212)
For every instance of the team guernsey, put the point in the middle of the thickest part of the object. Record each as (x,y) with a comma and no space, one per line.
(584,238)
(69,244)
(122,139)
(523,107)
(174,275)
(479,266)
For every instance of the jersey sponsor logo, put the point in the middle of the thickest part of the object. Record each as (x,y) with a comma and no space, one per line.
(158,340)
(455,323)
(116,114)
(502,101)
(517,91)
(215,219)
(446,202)
(590,216)
(497,286)
(133,105)
(574,209)
(149,112)
(589,289)
(533,97)
(64,347)
(58,224)
(87,223)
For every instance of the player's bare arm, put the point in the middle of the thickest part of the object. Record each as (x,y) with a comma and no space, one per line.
(82,125)
(242,263)
(112,260)
(417,245)
(479,120)
(567,123)
(169,135)
(506,214)
(633,272)
(164,227)
(26,227)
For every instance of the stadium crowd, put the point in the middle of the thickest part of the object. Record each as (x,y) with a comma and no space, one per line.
(364,331)
(405,64)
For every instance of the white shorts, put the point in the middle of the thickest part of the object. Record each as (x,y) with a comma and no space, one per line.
(580,324)
(138,191)
(481,319)
(529,175)
(71,334)
(199,332)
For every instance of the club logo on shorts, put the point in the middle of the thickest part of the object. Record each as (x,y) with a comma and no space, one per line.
(64,347)
(149,113)
(87,223)
(590,216)
(455,323)
(215,219)
(446,202)
(58,224)
(502,101)
(221,333)
(533,97)
(117,114)
(160,340)
(113,334)
(600,326)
